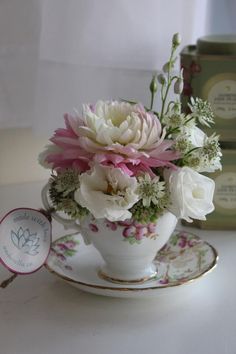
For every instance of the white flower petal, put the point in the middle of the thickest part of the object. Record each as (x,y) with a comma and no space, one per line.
(107,193)
(191,194)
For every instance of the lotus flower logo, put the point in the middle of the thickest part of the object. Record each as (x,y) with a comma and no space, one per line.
(25,241)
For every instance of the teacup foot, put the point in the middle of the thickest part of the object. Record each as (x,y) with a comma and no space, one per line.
(142,280)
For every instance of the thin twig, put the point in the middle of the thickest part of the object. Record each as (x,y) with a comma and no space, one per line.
(8,281)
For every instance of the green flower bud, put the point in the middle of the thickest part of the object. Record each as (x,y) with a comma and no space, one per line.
(176,39)
(153,84)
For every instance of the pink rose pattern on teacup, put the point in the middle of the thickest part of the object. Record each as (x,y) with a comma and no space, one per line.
(66,247)
(136,231)
(93,228)
(132,230)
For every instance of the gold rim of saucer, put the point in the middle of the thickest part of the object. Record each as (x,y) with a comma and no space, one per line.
(142,280)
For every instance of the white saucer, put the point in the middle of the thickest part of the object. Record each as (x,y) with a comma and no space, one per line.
(183,259)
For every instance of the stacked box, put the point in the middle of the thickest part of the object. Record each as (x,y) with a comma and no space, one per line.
(209,70)
(224,216)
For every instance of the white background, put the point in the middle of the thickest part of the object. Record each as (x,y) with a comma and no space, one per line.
(56,54)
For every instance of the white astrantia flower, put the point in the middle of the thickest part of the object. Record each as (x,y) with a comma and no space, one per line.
(107,192)
(201,110)
(150,190)
(174,120)
(66,181)
(207,157)
(190,137)
(191,194)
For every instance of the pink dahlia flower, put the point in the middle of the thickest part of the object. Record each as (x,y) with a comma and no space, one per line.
(112,133)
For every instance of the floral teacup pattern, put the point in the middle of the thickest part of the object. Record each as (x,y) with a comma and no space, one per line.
(184,258)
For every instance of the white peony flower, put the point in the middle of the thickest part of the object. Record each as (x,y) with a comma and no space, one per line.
(107,193)
(191,194)
(120,127)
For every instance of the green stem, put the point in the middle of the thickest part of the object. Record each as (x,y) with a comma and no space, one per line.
(168,107)
(169,82)
(152,100)
(172,131)
(190,151)
(188,120)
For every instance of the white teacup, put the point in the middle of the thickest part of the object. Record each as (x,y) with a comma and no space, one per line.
(128,248)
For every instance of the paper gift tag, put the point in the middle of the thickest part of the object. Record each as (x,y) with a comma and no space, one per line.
(25,239)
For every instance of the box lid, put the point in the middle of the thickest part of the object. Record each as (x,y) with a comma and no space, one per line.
(222,44)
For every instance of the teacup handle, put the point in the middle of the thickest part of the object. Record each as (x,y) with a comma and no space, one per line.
(67,223)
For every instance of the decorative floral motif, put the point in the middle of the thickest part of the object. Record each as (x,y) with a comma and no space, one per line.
(184,255)
(25,241)
(93,227)
(65,247)
(111,225)
(184,258)
(133,231)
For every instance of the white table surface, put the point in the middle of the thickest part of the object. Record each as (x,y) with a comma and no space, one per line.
(40,314)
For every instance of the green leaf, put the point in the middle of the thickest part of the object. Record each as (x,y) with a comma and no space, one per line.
(128,101)
(70,253)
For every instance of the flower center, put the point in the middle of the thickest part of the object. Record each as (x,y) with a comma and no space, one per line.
(110,189)
(198,193)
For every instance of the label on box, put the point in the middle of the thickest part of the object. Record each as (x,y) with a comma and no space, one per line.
(222,97)
(225,192)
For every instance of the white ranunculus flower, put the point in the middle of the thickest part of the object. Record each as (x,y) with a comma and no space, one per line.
(191,194)
(107,193)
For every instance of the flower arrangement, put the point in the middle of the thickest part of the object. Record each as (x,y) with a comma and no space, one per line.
(122,161)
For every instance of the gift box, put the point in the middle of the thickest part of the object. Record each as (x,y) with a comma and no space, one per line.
(209,72)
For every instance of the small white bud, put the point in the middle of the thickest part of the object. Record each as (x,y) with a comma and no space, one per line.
(178,86)
(176,39)
(165,67)
(162,79)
